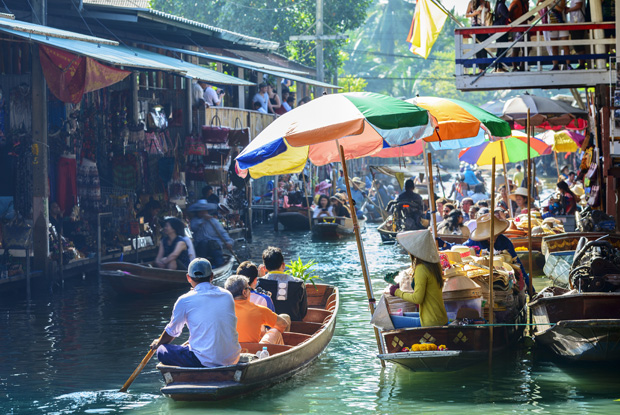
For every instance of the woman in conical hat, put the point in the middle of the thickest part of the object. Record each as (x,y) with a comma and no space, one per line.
(427,277)
(480,238)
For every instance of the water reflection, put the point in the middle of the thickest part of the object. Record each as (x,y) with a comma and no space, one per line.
(70,351)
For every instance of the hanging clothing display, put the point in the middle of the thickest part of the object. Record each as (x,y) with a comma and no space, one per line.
(66,193)
(21,108)
(89,188)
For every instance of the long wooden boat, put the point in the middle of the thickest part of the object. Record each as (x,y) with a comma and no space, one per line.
(335,227)
(303,344)
(128,278)
(559,251)
(578,326)
(386,231)
(466,345)
(295,218)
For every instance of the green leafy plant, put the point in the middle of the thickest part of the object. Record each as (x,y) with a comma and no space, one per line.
(300,270)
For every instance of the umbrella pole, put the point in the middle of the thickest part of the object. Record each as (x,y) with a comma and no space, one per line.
(491,258)
(529,204)
(303,180)
(508,202)
(275,196)
(360,250)
(431,194)
(557,164)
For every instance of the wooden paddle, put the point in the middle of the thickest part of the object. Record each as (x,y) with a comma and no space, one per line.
(141,366)
(235,256)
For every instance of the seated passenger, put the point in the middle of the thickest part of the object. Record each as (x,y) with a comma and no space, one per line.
(173,252)
(258,295)
(251,317)
(288,293)
(338,207)
(323,207)
(453,225)
(212,344)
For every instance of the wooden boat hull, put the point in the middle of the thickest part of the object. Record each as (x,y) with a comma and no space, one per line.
(330,228)
(294,220)
(128,278)
(388,236)
(580,326)
(310,339)
(467,345)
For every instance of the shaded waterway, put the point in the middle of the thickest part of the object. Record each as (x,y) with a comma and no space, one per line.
(70,351)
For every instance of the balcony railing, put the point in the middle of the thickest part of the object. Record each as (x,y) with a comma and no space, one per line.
(230,117)
(535,56)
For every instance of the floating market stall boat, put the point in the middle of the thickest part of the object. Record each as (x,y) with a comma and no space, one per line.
(295,218)
(303,344)
(583,326)
(128,278)
(335,227)
(559,251)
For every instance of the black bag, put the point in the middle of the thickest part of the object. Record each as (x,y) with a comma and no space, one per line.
(239,136)
(216,156)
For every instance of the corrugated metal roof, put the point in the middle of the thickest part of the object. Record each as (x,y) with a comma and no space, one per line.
(114,55)
(133,58)
(141,4)
(27,27)
(261,67)
(156,15)
(228,35)
(273,70)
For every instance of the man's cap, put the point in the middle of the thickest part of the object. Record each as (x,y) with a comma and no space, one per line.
(199,268)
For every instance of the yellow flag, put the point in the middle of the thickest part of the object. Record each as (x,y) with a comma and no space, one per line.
(428,20)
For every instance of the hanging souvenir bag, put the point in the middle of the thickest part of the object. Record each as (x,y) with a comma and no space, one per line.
(239,136)
(595,196)
(17,234)
(195,171)
(216,156)
(152,144)
(194,146)
(591,174)
(215,133)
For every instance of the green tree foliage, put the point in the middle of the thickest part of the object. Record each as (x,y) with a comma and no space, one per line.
(276,20)
(350,83)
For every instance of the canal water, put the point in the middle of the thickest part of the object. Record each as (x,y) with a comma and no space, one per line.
(70,351)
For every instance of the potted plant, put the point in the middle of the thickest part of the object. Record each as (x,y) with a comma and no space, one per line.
(300,270)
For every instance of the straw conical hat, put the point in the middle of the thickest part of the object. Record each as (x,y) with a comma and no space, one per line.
(483,227)
(420,244)
(521,191)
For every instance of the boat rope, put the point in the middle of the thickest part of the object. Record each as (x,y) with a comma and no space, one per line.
(508,324)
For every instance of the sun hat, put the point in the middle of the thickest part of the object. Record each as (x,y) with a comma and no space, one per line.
(337,197)
(483,227)
(199,268)
(420,244)
(454,272)
(521,191)
(359,183)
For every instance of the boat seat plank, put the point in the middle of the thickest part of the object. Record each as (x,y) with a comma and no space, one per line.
(316,315)
(305,327)
(255,347)
(294,339)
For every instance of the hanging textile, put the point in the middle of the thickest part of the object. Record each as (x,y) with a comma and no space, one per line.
(70,76)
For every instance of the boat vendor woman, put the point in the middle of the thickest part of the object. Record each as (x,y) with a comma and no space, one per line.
(480,238)
(569,200)
(173,252)
(339,207)
(520,198)
(323,207)
(427,278)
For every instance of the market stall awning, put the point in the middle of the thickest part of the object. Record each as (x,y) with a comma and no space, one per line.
(27,27)
(259,67)
(114,55)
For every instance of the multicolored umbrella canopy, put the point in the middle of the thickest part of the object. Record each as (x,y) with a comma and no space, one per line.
(509,150)
(538,144)
(461,124)
(565,141)
(363,123)
(542,110)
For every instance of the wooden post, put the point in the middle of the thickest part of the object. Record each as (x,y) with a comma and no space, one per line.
(303,180)
(555,154)
(360,250)
(529,203)
(508,202)
(431,194)
(274,194)
(491,258)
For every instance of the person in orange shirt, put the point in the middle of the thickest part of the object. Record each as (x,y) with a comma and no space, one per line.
(251,317)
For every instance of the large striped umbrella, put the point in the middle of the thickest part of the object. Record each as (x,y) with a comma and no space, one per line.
(363,123)
(509,150)
(537,143)
(460,125)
